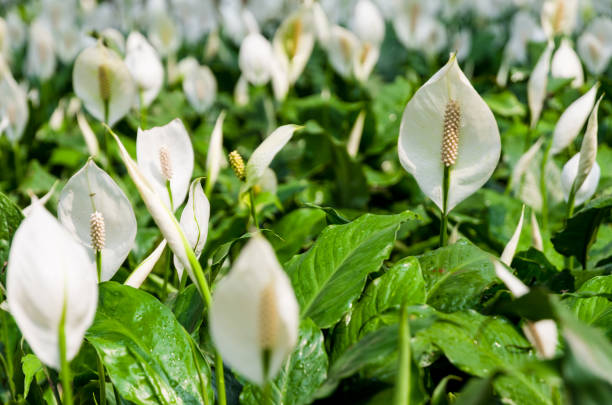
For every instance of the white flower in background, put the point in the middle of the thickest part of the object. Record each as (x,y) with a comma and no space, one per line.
(366,58)
(92,194)
(342,49)
(49,272)
(368,23)
(88,135)
(13,104)
(104,15)
(588,149)
(536,235)
(215,159)
(416,27)
(572,120)
(510,248)
(183,67)
(69,41)
(194,222)
(594,45)
(59,13)
(197,18)
(164,34)
(200,88)
(559,17)
(448,124)
(103,82)
(255,59)
(462,43)
(566,64)
(16,29)
(321,23)
(264,10)
(264,154)
(490,9)
(40,61)
(5,48)
(536,86)
(114,39)
(165,158)
(142,271)
(241,91)
(352,146)
(293,42)
(145,66)
(255,312)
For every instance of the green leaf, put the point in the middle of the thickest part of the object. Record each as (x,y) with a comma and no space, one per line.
(402,283)
(10,218)
(505,104)
(456,276)
(302,374)
(149,356)
(331,275)
(580,231)
(296,229)
(596,311)
(188,308)
(31,367)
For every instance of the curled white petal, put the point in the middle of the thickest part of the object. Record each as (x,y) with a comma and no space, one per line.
(293,42)
(566,64)
(420,140)
(142,271)
(588,150)
(342,47)
(91,189)
(236,323)
(172,140)
(352,146)
(572,120)
(200,88)
(536,235)
(594,45)
(544,336)
(516,286)
(536,86)
(241,91)
(525,160)
(255,58)
(47,270)
(88,134)
(510,249)
(13,104)
(146,68)
(215,158)
(368,23)
(568,176)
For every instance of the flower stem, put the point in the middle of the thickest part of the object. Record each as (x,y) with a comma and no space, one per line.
(64,363)
(253,208)
(143,110)
(402,385)
(99,264)
(220,379)
(8,360)
(444,217)
(571,201)
(102,381)
(166,274)
(170,195)
(543,190)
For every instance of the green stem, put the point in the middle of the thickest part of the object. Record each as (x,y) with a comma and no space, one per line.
(402,385)
(543,190)
(253,208)
(170,195)
(102,381)
(208,186)
(64,363)
(183,281)
(443,216)
(99,264)
(17,162)
(571,201)
(8,360)
(143,110)
(167,270)
(220,379)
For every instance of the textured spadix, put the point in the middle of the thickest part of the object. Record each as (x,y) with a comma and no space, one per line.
(421,140)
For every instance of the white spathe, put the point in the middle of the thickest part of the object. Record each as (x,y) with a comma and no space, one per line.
(568,177)
(559,17)
(256,289)
(99,70)
(146,68)
(510,248)
(594,45)
(47,270)
(293,42)
(368,23)
(215,158)
(566,64)
(13,104)
(342,48)
(572,120)
(588,149)
(91,189)
(255,59)
(142,271)
(194,222)
(172,140)
(536,86)
(200,87)
(265,152)
(41,61)
(421,130)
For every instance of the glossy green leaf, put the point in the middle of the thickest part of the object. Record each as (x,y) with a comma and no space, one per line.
(505,104)
(402,283)
(456,275)
(149,357)
(596,311)
(10,218)
(295,230)
(31,367)
(302,374)
(330,276)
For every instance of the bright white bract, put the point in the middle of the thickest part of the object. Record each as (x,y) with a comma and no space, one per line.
(47,271)
(422,127)
(254,309)
(91,190)
(145,66)
(589,185)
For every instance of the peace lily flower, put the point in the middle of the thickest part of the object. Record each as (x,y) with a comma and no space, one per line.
(448,139)
(536,86)
(581,173)
(342,49)
(142,271)
(572,120)
(594,45)
(69,41)
(368,23)
(293,42)
(103,82)
(99,215)
(88,134)
(165,158)
(145,66)
(194,222)
(13,104)
(254,317)
(559,17)
(50,277)
(40,61)
(566,64)
(200,87)
(214,158)
(164,34)
(542,334)
(255,58)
